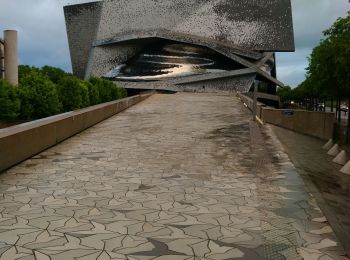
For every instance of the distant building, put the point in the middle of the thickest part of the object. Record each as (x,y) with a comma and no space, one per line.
(180,45)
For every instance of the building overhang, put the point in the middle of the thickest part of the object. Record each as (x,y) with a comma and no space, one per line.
(106,33)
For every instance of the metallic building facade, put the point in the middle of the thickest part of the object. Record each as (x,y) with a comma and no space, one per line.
(105,34)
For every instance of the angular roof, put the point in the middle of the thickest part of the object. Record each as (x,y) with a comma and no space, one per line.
(248,24)
(242,30)
(82,24)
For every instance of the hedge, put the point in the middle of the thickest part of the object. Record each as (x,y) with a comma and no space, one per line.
(9,101)
(49,91)
(38,95)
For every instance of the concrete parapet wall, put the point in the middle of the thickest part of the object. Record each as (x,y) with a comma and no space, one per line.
(249,102)
(317,124)
(24,141)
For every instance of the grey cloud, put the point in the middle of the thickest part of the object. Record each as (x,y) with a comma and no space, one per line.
(42,35)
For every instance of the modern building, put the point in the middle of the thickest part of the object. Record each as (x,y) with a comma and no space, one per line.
(180,45)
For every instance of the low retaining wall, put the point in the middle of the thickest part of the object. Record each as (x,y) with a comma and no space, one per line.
(249,102)
(21,142)
(317,124)
(9,123)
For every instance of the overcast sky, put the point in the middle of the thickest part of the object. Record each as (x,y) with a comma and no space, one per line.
(43,39)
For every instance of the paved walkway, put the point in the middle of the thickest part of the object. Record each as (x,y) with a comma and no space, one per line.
(328,184)
(185,177)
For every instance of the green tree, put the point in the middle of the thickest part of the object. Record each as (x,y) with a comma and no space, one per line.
(10,103)
(122,93)
(103,90)
(54,74)
(321,74)
(39,97)
(94,94)
(285,93)
(338,37)
(49,91)
(84,91)
(69,90)
(24,70)
(328,72)
(108,90)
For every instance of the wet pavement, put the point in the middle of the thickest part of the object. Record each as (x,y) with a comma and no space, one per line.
(322,176)
(183,176)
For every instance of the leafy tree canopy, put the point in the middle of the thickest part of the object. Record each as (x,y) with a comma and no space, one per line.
(10,103)
(328,71)
(49,91)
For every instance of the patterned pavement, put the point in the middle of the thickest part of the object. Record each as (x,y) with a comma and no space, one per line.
(183,177)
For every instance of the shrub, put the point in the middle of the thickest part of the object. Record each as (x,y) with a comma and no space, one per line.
(24,70)
(113,93)
(10,103)
(54,74)
(94,94)
(122,93)
(69,90)
(39,97)
(103,91)
(49,91)
(84,91)
(108,90)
